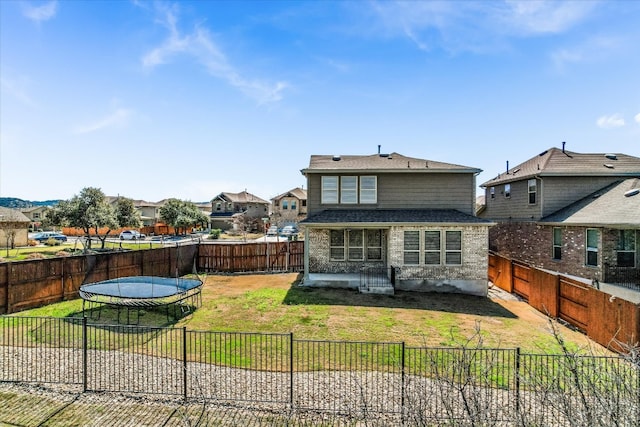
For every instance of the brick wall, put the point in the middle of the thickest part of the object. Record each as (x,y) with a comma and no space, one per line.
(532,243)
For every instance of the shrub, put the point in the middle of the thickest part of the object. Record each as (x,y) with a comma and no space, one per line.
(52,242)
(32,243)
(35,255)
(215,233)
(63,253)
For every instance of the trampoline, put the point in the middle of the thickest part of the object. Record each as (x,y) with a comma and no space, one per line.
(143,292)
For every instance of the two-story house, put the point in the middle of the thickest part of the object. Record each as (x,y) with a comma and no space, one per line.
(382,218)
(36,215)
(227,208)
(289,208)
(567,212)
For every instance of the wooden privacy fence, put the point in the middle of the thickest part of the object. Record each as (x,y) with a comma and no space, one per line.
(603,317)
(251,257)
(33,283)
(28,284)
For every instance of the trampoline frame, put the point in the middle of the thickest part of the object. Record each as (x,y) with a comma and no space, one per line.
(191,293)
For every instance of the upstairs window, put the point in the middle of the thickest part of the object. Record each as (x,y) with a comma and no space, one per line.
(329,189)
(285,205)
(349,189)
(303,203)
(507,190)
(533,190)
(591,255)
(626,248)
(368,189)
(293,205)
(557,243)
(492,192)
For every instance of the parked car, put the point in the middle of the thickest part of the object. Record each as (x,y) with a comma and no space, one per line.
(289,230)
(46,235)
(131,235)
(272,231)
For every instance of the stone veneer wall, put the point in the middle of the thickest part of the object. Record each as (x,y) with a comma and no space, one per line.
(532,243)
(470,277)
(319,261)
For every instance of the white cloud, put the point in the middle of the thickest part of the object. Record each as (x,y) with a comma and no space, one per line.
(610,122)
(475,26)
(637,118)
(120,117)
(201,46)
(593,49)
(40,13)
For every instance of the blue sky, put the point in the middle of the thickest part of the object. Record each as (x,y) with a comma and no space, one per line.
(152,100)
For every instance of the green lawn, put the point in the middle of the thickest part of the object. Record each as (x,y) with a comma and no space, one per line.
(43,251)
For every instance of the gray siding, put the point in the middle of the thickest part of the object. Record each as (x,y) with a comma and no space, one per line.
(562,191)
(516,206)
(407,191)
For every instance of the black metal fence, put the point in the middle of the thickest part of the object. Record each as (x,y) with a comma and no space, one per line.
(377,278)
(628,277)
(477,385)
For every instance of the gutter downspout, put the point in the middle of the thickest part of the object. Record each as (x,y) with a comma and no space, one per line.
(305,277)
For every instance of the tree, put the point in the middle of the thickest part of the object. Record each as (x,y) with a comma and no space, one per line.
(182,214)
(90,210)
(9,224)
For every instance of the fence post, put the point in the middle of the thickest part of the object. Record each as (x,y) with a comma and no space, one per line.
(184,361)
(84,353)
(291,369)
(517,381)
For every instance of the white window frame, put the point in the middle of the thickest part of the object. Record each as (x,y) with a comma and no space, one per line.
(448,251)
(368,195)
(620,249)
(507,191)
(349,190)
(293,205)
(556,245)
(492,192)
(411,250)
(377,246)
(329,189)
(285,205)
(532,187)
(352,246)
(332,246)
(591,249)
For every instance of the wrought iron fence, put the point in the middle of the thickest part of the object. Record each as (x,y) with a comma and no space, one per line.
(417,384)
(628,277)
(377,277)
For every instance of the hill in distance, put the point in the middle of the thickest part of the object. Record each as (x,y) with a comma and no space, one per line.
(15,203)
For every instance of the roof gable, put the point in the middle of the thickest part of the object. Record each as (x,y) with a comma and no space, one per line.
(242,197)
(558,162)
(299,193)
(12,215)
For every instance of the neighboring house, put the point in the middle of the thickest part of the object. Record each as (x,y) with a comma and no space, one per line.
(387,218)
(230,209)
(567,212)
(36,215)
(14,228)
(289,208)
(149,212)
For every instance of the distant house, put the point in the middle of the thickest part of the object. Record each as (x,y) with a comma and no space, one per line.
(570,212)
(245,206)
(289,207)
(14,228)
(381,221)
(36,215)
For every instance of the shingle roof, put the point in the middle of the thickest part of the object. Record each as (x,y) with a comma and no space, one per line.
(607,207)
(393,162)
(392,216)
(243,197)
(556,162)
(12,215)
(298,192)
